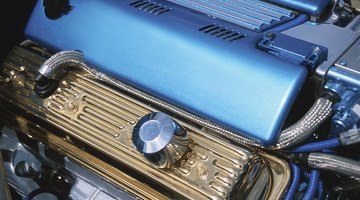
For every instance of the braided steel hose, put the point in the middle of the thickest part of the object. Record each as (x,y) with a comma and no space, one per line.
(54,66)
(289,137)
(182,113)
(335,163)
(302,129)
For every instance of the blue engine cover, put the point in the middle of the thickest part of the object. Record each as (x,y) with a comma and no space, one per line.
(312,7)
(169,56)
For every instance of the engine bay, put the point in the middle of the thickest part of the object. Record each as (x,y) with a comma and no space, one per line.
(180,99)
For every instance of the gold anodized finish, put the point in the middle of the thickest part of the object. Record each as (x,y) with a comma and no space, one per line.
(101,168)
(104,117)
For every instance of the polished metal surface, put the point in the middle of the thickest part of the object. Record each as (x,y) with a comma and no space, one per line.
(107,172)
(86,185)
(336,47)
(104,118)
(160,139)
(15,153)
(350,60)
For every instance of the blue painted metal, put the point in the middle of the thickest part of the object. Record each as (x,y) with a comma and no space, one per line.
(294,50)
(291,24)
(252,14)
(312,7)
(344,79)
(347,111)
(231,83)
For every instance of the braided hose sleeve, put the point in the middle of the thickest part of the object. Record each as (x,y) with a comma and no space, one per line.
(302,129)
(293,135)
(63,60)
(335,163)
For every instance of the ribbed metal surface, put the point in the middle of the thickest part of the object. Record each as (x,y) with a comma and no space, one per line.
(95,113)
(255,15)
(104,118)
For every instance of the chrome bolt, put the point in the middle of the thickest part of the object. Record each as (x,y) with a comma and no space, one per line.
(343,62)
(316,49)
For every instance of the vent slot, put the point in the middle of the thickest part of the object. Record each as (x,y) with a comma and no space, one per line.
(223,33)
(150,7)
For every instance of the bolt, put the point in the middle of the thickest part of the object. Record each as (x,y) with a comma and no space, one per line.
(316,49)
(270,34)
(73,107)
(202,172)
(19,80)
(343,62)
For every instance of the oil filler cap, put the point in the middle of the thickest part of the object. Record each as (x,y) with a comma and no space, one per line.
(160,139)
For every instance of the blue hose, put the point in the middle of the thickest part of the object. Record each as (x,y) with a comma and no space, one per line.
(296,174)
(330,151)
(299,20)
(320,187)
(312,186)
(317,146)
(320,190)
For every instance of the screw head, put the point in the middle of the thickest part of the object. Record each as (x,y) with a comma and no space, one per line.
(270,34)
(316,49)
(343,62)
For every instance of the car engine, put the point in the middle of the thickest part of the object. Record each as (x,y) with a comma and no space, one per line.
(180,99)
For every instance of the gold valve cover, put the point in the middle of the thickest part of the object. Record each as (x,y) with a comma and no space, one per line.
(86,115)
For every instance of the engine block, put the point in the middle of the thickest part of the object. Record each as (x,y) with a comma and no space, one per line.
(179,99)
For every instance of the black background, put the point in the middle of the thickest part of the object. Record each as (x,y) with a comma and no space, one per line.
(14,15)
